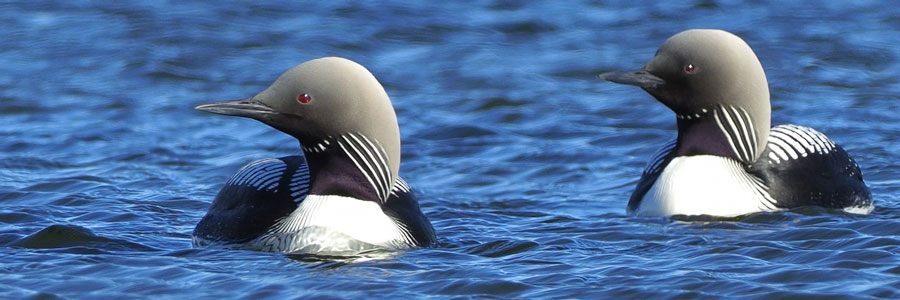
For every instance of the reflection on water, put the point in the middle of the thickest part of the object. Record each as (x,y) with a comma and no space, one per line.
(336,261)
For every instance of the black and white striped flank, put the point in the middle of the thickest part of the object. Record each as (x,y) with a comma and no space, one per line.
(659,157)
(299,185)
(262,174)
(400,186)
(788,142)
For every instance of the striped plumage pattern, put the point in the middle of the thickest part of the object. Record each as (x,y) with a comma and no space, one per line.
(736,124)
(367,155)
(400,186)
(320,223)
(265,174)
(316,222)
(773,178)
(299,185)
(659,158)
(262,174)
(787,142)
(371,160)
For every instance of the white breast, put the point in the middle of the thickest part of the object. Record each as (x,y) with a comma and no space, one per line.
(705,185)
(335,224)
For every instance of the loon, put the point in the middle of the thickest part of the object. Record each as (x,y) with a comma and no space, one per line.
(725,160)
(343,195)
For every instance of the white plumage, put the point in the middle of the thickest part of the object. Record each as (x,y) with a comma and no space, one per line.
(704,185)
(334,224)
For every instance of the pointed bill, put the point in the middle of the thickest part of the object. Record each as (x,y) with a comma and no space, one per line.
(241,108)
(639,78)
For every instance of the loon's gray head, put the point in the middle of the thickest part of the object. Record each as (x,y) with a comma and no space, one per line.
(705,76)
(321,101)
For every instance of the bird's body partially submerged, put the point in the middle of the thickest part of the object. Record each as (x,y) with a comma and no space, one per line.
(343,194)
(726,160)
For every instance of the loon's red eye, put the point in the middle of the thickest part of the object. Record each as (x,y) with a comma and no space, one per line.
(689,68)
(304,98)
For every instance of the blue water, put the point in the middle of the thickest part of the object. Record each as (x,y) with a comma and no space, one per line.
(523,160)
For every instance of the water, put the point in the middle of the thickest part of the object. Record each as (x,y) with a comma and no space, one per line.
(523,160)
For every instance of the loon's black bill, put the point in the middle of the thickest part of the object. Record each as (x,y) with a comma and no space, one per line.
(242,108)
(639,78)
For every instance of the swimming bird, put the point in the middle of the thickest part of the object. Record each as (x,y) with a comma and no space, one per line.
(725,160)
(343,193)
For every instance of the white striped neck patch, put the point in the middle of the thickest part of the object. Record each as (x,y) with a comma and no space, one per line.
(738,127)
(364,154)
(699,132)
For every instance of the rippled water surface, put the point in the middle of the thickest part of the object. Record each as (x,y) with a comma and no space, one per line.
(524,161)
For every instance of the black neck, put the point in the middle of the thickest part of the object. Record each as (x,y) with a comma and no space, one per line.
(331,172)
(701,136)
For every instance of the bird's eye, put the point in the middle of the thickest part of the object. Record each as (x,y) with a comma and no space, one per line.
(689,69)
(303,98)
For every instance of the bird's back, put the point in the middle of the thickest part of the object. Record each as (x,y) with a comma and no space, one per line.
(253,199)
(802,167)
